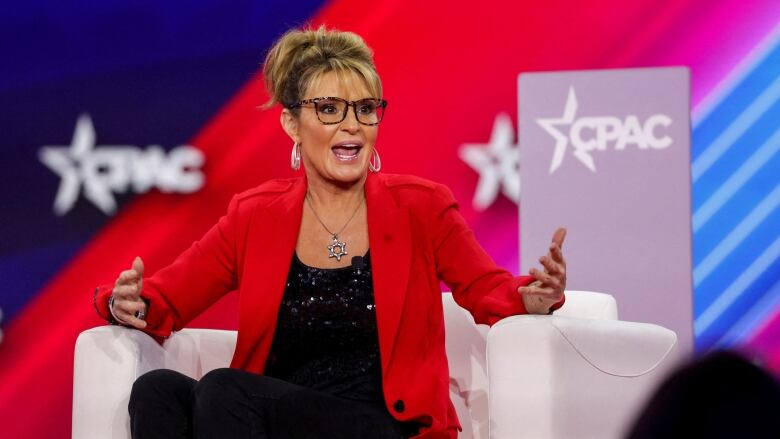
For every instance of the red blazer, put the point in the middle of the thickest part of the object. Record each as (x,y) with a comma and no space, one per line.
(417,237)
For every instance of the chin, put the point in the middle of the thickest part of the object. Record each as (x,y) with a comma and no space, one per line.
(348,176)
(347,172)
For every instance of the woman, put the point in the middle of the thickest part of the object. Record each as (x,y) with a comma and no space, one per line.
(341,331)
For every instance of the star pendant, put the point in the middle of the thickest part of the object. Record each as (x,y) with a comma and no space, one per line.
(337,249)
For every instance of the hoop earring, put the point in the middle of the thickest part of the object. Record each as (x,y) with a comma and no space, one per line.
(295,157)
(375,164)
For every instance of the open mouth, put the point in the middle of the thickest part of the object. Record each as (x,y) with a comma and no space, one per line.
(347,151)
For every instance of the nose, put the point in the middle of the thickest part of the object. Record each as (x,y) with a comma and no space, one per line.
(350,123)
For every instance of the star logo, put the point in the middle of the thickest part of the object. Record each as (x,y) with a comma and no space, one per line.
(109,169)
(63,161)
(589,134)
(561,139)
(497,162)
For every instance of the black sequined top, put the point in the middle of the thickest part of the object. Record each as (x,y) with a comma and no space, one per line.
(326,335)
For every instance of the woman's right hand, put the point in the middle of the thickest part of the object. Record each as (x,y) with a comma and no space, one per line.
(128,307)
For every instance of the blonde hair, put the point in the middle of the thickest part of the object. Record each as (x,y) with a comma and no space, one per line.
(301,56)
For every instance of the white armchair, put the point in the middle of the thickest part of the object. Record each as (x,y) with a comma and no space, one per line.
(579,373)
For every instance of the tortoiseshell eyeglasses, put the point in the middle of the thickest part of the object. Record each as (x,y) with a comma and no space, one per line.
(332,110)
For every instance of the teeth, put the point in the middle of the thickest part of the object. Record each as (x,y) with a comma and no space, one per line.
(345,153)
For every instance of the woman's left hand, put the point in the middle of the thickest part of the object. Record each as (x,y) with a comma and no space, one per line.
(547,289)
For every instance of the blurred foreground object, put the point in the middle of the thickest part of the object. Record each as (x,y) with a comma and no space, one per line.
(722,395)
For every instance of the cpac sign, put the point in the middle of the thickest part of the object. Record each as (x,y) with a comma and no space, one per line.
(589,134)
(113,169)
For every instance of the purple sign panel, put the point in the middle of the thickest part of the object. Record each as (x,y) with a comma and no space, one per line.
(607,154)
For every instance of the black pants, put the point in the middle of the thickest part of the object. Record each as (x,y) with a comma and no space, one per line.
(231,403)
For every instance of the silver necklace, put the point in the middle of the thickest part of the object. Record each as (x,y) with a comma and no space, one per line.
(337,249)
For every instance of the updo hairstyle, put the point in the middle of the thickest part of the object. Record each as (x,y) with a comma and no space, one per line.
(301,56)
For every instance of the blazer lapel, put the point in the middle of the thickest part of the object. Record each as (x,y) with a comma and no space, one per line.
(390,241)
(273,232)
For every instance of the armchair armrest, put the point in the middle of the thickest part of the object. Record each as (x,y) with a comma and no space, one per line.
(589,305)
(108,359)
(561,377)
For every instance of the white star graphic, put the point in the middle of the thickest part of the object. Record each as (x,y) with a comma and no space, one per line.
(497,163)
(561,140)
(65,162)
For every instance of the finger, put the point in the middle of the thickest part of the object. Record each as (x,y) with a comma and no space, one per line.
(129,307)
(138,266)
(548,293)
(556,254)
(550,266)
(544,292)
(140,308)
(132,320)
(127,276)
(126,292)
(127,311)
(547,279)
(559,236)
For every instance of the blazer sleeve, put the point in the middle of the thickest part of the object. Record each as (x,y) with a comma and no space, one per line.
(198,277)
(486,290)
